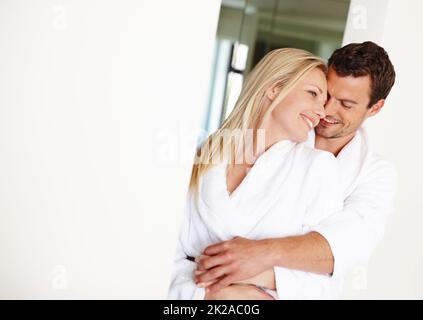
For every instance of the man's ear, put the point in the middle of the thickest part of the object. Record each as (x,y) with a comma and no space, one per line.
(273,91)
(374,109)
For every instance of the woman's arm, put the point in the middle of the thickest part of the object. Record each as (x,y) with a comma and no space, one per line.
(264,279)
(238,292)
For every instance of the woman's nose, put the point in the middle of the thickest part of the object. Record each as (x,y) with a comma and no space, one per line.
(320,112)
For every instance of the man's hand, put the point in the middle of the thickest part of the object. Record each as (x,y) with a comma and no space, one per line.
(232,261)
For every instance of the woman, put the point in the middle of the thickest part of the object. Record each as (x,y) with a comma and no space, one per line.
(254,177)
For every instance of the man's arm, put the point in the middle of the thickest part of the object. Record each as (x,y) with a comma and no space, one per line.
(310,252)
(239,259)
(338,243)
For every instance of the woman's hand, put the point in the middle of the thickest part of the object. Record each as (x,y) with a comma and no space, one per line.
(238,292)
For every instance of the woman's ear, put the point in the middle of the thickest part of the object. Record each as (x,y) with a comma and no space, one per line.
(273,91)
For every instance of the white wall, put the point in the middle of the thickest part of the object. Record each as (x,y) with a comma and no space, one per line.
(395,270)
(88,90)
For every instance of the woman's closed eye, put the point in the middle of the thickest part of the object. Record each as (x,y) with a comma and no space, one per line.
(313,93)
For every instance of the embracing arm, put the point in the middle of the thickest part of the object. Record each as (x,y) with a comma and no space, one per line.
(252,261)
(351,235)
(345,238)
(310,252)
(240,258)
(331,246)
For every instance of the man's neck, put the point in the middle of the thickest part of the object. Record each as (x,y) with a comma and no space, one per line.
(333,145)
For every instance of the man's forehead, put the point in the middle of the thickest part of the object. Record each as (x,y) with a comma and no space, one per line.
(348,81)
(348,86)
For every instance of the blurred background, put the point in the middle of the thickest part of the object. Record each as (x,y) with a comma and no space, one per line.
(248,29)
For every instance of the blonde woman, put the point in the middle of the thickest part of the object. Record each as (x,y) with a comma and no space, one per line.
(254,177)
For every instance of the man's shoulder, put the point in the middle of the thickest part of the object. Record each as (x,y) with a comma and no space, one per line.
(376,182)
(378,166)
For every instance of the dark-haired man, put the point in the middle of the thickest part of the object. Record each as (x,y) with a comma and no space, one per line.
(360,78)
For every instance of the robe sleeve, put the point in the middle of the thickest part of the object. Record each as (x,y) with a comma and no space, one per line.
(183,286)
(325,199)
(354,233)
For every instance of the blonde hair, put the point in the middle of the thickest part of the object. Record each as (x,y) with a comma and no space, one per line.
(284,67)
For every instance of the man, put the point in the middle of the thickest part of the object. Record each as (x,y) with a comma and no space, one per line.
(360,78)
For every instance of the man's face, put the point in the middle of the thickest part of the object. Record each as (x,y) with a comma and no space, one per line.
(346,107)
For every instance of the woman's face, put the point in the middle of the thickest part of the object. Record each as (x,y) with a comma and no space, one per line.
(301,110)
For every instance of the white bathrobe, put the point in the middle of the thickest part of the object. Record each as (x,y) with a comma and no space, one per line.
(369,184)
(290,189)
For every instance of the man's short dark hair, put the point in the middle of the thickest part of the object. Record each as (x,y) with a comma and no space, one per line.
(367,58)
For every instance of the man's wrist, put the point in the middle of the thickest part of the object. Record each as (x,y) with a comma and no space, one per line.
(273,252)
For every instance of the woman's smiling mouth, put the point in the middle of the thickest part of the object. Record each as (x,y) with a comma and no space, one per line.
(309,121)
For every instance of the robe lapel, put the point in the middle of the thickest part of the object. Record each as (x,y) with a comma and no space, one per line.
(352,159)
(238,214)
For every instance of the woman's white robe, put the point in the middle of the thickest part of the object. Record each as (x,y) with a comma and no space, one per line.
(290,189)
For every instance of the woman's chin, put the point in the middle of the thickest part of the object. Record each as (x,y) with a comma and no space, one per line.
(299,138)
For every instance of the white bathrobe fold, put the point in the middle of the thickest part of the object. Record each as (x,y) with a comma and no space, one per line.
(369,184)
(290,189)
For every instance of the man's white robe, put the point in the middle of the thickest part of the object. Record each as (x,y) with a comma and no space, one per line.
(369,185)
